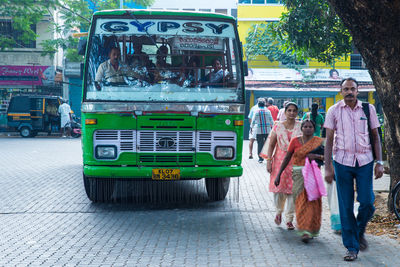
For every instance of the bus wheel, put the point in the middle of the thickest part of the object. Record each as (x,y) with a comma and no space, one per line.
(217,188)
(99,189)
(25,132)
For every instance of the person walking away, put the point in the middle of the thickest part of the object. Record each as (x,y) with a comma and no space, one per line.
(281,114)
(308,213)
(316,117)
(261,123)
(252,135)
(279,140)
(65,113)
(272,108)
(347,139)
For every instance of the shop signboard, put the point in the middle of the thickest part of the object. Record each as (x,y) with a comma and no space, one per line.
(272,74)
(197,43)
(27,75)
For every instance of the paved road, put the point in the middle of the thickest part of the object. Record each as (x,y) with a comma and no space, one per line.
(47,220)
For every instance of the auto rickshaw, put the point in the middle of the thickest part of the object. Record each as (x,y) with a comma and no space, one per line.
(30,114)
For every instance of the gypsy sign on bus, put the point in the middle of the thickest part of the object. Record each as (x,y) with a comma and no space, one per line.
(169,27)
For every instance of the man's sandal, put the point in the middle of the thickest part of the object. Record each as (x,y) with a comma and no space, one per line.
(350,256)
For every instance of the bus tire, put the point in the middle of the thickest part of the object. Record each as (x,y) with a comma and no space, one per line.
(25,132)
(98,189)
(217,188)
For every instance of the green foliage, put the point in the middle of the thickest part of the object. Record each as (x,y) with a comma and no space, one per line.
(23,13)
(262,40)
(75,16)
(309,29)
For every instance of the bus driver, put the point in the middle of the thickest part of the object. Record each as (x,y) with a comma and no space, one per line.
(110,70)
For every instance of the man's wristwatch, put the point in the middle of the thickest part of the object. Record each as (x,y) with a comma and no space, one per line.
(380,162)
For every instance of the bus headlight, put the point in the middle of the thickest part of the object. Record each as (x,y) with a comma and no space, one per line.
(106,152)
(224,152)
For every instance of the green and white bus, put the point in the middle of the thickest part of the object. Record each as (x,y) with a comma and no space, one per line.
(172,108)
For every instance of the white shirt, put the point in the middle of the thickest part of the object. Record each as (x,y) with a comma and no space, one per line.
(252,110)
(64,111)
(281,115)
(106,71)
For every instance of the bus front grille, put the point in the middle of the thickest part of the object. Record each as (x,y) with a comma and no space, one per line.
(166,141)
(165,159)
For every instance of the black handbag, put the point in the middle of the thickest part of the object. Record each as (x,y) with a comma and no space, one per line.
(320,151)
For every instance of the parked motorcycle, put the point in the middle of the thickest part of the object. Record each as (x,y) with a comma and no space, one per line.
(75,126)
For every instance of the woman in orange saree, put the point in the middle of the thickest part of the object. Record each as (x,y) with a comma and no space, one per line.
(308,213)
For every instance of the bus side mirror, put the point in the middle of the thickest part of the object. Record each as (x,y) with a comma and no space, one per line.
(82,46)
(245,68)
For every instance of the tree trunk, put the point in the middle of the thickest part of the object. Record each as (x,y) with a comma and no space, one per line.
(374,26)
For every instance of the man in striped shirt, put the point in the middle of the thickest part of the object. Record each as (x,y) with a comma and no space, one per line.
(261,125)
(347,139)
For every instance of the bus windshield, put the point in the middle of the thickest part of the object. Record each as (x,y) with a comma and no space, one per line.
(163,60)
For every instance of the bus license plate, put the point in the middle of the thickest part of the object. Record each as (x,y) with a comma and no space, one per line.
(166,174)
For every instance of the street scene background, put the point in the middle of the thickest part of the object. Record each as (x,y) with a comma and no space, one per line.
(47,220)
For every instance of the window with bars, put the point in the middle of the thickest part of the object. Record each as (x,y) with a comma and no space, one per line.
(7,30)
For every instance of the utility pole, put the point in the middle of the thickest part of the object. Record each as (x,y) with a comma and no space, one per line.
(121,4)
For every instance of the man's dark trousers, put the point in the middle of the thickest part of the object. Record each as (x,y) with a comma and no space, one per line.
(261,138)
(353,227)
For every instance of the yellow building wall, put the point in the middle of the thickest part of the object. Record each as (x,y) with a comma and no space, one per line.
(271,12)
(257,12)
(371,98)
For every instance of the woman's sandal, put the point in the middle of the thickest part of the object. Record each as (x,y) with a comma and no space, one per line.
(305,238)
(350,256)
(290,226)
(278,219)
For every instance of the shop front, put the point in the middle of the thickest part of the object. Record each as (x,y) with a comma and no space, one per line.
(317,87)
(17,80)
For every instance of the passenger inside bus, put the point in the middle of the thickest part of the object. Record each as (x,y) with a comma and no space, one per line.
(193,72)
(217,76)
(109,70)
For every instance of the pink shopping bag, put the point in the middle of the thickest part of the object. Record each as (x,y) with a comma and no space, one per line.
(313,182)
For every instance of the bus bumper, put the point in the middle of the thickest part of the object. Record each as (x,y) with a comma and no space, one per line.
(146,172)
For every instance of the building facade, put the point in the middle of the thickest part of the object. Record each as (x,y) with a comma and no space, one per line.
(23,70)
(227,7)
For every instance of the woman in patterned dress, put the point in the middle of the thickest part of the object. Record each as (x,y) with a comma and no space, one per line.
(279,140)
(308,213)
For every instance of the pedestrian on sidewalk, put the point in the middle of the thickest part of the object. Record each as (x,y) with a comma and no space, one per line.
(316,117)
(308,213)
(274,109)
(252,134)
(347,137)
(65,113)
(281,114)
(279,140)
(261,124)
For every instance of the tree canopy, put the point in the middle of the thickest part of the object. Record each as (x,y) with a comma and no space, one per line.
(75,16)
(308,29)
